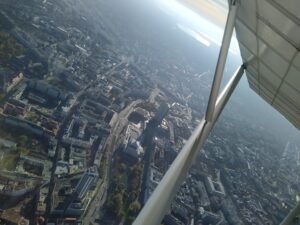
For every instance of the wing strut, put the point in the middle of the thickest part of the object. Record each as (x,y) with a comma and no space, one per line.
(160,200)
(221,59)
(293,216)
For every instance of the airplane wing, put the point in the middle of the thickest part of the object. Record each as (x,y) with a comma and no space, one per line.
(268,32)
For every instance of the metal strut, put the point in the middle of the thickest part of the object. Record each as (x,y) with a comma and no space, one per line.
(221,59)
(160,200)
(292,216)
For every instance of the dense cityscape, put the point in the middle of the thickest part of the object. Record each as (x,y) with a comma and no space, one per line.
(88,129)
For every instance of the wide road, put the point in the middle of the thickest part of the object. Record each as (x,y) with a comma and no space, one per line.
(113,141)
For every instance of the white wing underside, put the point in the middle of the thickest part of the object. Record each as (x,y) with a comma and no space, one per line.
(268,33)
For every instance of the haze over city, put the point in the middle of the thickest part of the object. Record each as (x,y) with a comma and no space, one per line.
(97,99)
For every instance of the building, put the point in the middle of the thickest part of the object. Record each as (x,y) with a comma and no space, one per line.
(134,149)
(72,200)
(45,89)
(132,133)
(13,217)
(171,220)
(214,187)
(6,144)
(8,80)
(88,179)
(207,217)
(23,125)
(161,113)
(132,146)
(62,168)
(204,200)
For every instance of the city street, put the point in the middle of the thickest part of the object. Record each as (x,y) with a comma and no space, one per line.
(113,141)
